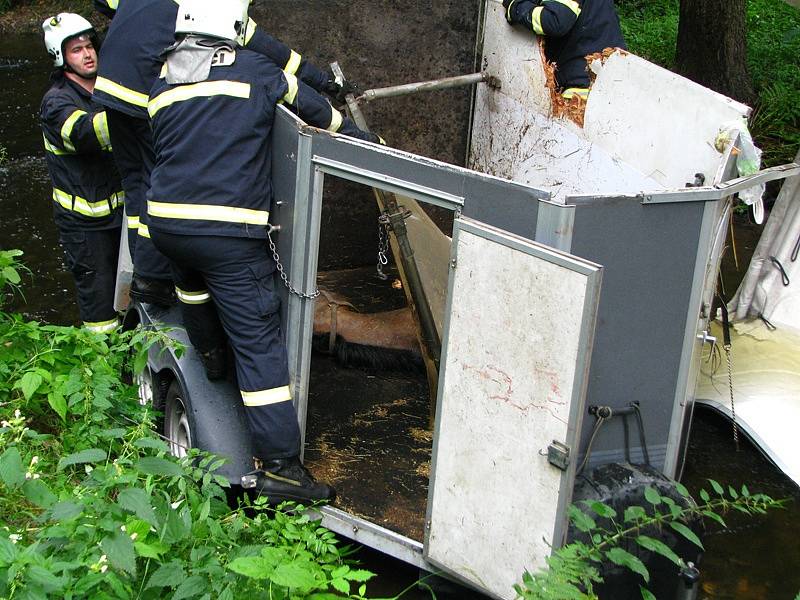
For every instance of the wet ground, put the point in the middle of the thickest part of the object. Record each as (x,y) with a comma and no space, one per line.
(758,559)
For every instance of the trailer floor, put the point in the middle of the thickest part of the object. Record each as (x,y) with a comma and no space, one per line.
(367,432)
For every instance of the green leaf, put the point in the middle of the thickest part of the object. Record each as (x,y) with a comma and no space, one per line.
(175,528)
(659,547)
(91,455)
(170,574)
(137,501)
(359,575)
(717,487)
(12,472)
(151,550)
(299,574)
(646,594)
(38,493)
(152,443)
(625,559)
(652,496)
(734,494)
(704,496)
(687,533)
(745,491)
(340,585)
(29,383)
(120,552)
(40,576)
(65,511)
(581,520)
(254,567)
(58,403)
(603,510)
(681,490)
(154,465)
(632,513)
(11,275)
(192,586)
(8,551)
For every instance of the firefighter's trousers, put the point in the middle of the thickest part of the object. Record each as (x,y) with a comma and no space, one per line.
(91,257)
(232,278)
(132,144)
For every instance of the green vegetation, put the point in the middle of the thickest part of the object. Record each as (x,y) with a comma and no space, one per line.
(572,569)
(773,46)
(92,505)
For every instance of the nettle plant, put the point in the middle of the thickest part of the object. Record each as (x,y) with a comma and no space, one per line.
(92,505)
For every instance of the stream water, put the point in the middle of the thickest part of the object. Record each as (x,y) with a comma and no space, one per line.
(757,559)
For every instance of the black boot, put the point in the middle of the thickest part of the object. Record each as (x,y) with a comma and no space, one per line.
(153,291)
(287,479)
(215,362)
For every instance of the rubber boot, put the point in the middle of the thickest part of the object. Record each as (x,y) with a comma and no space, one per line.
(283,479)
(160,292)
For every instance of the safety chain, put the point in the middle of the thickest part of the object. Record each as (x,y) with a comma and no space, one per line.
(278,265)
(727,348)
(383,245)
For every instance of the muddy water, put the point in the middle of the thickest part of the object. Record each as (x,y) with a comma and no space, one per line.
(757,560)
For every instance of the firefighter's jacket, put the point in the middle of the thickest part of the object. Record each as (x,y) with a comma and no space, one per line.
(572,30)
(141,30)
(87,192)
(212,142)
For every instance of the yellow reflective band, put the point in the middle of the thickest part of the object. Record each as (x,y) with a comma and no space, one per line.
(101,208)
(144,230)
(291,94)
(193,297)
(66,129)
(572,92)
(112,4)
(536,20)
(133,222)
(265,397)
(208,212)
(204,89)
(100,123)
(293,63)
(121,92)
(282,479)
(102,326)
(54,149)
(570,4)
(251,29)
(336,120)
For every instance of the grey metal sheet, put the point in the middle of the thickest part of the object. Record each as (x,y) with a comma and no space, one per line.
(499,410)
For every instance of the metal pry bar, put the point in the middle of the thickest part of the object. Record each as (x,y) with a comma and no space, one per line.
(428,86)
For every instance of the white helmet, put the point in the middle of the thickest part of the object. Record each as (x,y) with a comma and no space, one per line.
(224,19)
(59,29)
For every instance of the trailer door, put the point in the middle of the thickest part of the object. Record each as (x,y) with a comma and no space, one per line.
(515,354)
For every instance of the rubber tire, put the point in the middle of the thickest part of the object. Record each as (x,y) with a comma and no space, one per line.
(179,426)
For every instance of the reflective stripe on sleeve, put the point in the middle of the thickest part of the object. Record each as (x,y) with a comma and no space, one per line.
(204,89)
(251,29)
(536,20)
(570,4)
(290,95)
(143,230)
(133,222)
(336,120)
(101,208)
(112,4)
(192,297)
(293,63)
(208,212)
(572,92)
(120,91)
(66,129)
(54,149)
(100,123)
(102,326)
(266,397)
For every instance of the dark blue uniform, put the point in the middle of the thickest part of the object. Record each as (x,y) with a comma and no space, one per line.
(130,61)
(87,195)
(573,30)
(208,204)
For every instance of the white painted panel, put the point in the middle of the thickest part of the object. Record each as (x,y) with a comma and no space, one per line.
(657,121)
(516,350)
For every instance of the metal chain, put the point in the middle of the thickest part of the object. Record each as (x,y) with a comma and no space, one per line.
(383,245)
(730,387)
(284,277)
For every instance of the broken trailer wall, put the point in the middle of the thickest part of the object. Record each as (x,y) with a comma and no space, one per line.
(645,130)
(380,43)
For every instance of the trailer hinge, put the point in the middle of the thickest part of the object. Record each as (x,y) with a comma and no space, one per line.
(558,455)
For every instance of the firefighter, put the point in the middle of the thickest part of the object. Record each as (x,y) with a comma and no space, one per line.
(212,111)
(87,192)
(140,31)
(573,30)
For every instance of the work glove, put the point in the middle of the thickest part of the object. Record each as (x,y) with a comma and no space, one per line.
(376,139)
(515,9)
(338,91)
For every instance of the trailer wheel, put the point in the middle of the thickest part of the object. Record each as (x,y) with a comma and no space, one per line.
(145,386)
(178,420)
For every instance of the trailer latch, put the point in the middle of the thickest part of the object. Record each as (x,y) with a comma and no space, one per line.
(558,455)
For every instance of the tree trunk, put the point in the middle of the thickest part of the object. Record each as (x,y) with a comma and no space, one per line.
(712,46)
